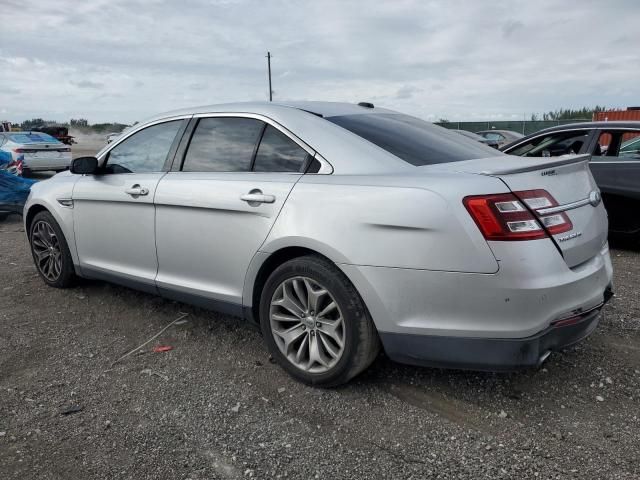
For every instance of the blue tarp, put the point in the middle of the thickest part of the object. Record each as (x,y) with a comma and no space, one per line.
(13,189)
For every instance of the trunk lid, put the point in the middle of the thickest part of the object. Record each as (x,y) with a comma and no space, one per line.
(569,181)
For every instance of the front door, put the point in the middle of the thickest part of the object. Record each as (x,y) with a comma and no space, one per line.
(214,214)
(114,212)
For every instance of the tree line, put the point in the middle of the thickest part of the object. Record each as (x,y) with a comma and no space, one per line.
(81,124)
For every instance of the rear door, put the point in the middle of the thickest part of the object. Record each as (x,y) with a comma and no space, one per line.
(113,212)
(615,165)
(213,214)
(573,193)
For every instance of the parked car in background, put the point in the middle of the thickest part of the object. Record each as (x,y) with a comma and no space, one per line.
(502,137)
(36,151)
(631,148)
(8,163)
(296,216)
(478,138)
(615,163)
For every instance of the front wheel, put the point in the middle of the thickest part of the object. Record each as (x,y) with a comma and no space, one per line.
(315,324)
(50,251)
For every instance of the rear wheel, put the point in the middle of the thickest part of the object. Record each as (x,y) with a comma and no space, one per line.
(315,324)
(50,251)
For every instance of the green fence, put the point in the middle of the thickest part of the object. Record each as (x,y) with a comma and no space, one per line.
(525,127)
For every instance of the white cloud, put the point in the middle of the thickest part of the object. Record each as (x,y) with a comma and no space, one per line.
(123,60)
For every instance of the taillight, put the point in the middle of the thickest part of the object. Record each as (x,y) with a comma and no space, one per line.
(15,167)
(18,150)
(64,149)
(504,216)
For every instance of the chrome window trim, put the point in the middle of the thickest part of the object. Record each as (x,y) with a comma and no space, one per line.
(325,167)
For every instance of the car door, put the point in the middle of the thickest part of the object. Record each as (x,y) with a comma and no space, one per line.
(113,211)
(213,214)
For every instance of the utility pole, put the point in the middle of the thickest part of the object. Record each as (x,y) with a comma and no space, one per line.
(269,69)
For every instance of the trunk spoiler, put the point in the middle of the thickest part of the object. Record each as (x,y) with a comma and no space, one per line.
(521,165)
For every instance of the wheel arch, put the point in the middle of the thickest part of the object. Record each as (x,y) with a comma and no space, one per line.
(64,218)
(277,253)
(262,266)
(30,215)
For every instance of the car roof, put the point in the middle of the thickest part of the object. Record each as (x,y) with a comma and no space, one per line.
(348,152)
(321,109)
(591,125)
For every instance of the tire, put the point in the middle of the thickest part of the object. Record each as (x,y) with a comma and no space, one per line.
(334,361)
(26,172)
(4,216)
(45,234)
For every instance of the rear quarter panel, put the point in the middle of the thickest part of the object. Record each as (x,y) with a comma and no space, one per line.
(401,221)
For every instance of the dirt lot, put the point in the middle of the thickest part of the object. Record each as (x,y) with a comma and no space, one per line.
(215,407)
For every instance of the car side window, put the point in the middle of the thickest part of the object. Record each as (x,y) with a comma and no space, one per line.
(278,153)
(144,151)
(620,144)
(552,145)
(223,144)
(630,147)
(494,136)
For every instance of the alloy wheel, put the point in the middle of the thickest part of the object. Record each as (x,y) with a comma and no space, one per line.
(46,250)
(307,325)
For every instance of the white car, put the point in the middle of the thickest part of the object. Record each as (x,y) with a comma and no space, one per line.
(36,151)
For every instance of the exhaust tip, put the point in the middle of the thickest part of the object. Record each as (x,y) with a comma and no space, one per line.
(543,358)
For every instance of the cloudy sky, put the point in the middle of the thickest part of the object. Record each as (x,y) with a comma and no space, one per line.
(122,60)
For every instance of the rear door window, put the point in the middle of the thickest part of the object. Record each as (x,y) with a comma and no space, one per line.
(223,144)
(278,153)
(618,144)
(413,140)
(631,147)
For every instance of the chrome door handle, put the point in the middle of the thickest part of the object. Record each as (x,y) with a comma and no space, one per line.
(256,197)
(136,190)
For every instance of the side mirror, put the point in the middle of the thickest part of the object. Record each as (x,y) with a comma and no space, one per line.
(84,165)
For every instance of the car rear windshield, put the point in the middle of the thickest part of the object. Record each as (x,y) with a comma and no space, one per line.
(413,140)
(32,138)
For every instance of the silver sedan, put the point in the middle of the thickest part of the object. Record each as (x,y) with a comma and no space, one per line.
(340,229)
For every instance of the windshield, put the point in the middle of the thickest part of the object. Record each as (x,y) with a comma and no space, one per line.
(413,140)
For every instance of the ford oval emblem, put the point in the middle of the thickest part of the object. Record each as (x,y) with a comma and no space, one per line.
(595,198)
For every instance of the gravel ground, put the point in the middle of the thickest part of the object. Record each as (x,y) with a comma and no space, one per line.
(216,407)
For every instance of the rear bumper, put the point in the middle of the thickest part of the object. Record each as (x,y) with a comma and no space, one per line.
(488,354)
(47,163)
